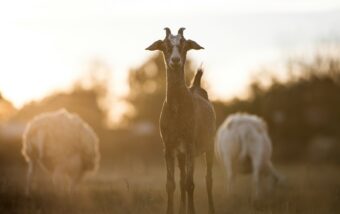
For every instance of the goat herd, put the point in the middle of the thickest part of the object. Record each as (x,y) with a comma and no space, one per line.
(62,144)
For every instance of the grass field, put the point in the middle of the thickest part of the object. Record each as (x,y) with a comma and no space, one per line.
(307,189)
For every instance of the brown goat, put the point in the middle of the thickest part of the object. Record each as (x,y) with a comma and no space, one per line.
(187,121)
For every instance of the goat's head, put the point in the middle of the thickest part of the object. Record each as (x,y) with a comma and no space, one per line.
(174,48)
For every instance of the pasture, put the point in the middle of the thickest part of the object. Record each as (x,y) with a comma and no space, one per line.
(140,189)
(298,98)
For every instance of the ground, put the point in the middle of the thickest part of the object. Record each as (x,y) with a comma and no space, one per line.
(139,189)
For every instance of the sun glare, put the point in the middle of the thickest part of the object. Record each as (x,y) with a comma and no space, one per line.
(94,118)
(44,45)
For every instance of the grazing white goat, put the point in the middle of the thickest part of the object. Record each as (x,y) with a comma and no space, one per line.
(62,144)
(243,145)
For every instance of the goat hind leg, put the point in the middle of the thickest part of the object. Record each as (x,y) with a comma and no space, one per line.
(209,181)
(256,179)
(170,184)
(190,182)
(228,164)
(74,180)
(182,165)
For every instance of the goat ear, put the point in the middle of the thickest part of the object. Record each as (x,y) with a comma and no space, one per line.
(190,44)
(158,45)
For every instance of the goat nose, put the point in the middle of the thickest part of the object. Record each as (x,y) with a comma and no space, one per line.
(175,60)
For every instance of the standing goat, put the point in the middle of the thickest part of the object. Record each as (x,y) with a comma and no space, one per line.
(243,145)
(62,144)
(187,121)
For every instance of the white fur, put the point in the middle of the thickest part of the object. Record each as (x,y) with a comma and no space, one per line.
(244,137)
(175,42)
(62,144)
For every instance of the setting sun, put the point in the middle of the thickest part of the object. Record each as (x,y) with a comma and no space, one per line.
(46,45)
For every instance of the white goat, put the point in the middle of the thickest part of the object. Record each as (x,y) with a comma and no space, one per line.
(243,145)
(62,144)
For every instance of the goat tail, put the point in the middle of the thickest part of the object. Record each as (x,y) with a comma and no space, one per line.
(198,77)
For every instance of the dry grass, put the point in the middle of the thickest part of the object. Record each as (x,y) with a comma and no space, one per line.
(308,189)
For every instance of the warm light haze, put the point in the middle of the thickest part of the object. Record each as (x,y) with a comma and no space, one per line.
(46,45)
(95,116)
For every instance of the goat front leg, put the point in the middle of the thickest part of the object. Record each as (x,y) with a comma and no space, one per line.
(29,178)
(190,181)
(209,159)
(181,164)
(274,174)
(170,183)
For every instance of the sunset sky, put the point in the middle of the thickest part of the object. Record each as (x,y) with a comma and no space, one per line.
(46,45)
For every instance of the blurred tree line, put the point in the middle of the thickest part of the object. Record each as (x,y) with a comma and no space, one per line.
(302,112)
(85,97)
(7,109)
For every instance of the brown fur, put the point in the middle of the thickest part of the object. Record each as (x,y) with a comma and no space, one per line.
(187,125)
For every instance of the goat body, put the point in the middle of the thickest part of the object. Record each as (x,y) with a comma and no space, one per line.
(243,145)
(62,144)
(187,121)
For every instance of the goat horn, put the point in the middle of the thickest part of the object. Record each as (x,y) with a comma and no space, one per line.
(180,31)
(167,31)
